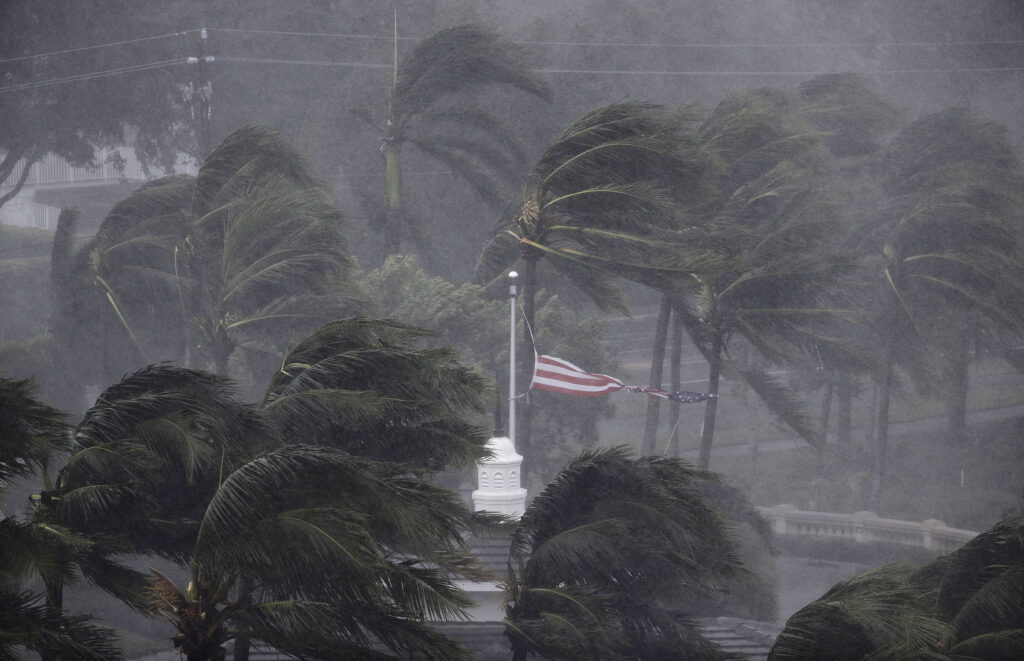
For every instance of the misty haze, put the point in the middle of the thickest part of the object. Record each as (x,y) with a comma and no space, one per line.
(536,330)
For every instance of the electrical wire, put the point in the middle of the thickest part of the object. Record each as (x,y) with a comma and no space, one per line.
(628,44)
(85,48)
(325,63)
(17,87)
(593,44)
(313,34)
(611,72)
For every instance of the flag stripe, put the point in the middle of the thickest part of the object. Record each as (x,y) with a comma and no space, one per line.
(557,375)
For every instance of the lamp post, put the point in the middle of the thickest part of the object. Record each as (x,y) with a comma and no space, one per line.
(513,290)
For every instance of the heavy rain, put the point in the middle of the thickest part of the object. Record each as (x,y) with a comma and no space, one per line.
(440,329)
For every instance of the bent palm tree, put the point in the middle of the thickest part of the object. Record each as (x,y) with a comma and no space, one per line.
(947,247)
(288,534)
(30,434)
(243,254)
(596,201)
(606,555)
(425,109)
(965,605)
(376,395)
(773,233)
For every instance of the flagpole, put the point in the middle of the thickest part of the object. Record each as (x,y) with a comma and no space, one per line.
(512,291)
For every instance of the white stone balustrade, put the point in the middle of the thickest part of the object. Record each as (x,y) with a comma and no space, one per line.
(865,527)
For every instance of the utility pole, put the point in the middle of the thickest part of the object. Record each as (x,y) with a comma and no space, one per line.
(199,95)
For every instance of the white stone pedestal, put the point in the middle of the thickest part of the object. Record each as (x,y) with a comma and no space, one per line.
(498,480)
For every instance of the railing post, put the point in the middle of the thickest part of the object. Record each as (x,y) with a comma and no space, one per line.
(860,525)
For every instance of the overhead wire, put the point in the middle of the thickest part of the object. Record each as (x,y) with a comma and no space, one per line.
(17,87)
(67,51)
(266,60)
(549,70)
(631,44)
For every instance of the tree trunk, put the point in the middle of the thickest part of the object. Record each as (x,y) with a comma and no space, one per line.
(871,428)
(675,380)
(393,209)
(882,427)
(959,381)
(54,589)
(826,414)
(221,349)
(707,434)
(526,357)
(242,644)
(7,167)
(657,365)
(844,410)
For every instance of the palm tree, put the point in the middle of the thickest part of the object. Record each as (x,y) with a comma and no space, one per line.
(605,557)
(965,605)
(246,252)
(946,245)
(376,395)
(776,236)
(426,108)
(31,433)
(309,522)
(328,554)
(594,202)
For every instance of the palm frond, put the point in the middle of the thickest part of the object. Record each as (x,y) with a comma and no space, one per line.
(32,431)
(874,611)
(784,402)
(456,59)
(597,547)
(29,625)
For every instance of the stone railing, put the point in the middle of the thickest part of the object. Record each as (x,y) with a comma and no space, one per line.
(862,527)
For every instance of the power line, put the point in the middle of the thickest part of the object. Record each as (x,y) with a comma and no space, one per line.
(628,44)
(314,34)
(832,44)
(608,72)
(261,60)
(91,75)
(593,44)
(630,72)
(85,48)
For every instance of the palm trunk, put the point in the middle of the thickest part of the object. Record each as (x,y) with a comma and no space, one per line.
(844,412)
(524,409)
(956,412)
(54,589)
(393,210)
(675,379)
(657,366)
(826,414)
(884,397)
(221,349)
(242,643)
(707,434)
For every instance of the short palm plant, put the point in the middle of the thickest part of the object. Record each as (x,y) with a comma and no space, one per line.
(31,433)
(965,605)
(605,557)
(308,522)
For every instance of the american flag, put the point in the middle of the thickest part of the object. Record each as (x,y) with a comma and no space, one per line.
(557,375)
(681,396)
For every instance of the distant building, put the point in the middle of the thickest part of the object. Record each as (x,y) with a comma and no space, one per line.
(53,183)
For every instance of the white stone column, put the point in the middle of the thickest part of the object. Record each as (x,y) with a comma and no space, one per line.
(498,480)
